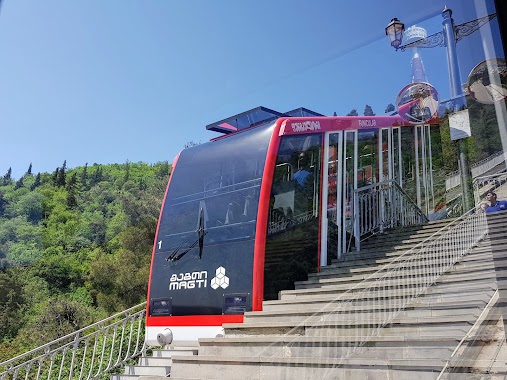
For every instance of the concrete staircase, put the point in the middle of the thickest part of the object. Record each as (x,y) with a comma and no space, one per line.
(307,334)
(157,365)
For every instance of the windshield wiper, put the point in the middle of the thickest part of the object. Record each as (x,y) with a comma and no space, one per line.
(201,232)
(174,256)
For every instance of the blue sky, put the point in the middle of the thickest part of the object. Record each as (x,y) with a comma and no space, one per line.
(109,81)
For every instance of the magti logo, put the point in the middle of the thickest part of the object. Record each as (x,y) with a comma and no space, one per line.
(189,280)
(220,280)
(196,280)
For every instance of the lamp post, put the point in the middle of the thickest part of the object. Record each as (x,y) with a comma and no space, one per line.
(447,38)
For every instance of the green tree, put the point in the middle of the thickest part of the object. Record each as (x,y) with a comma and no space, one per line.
(119,281)
(19,184)
(59,316)
(3,203)
(126,177)
(54,176)
(353,112)
(162,169)
(36,183)
(60,272)
(29,171)
(7,177)
(390,108)
(84,177)
(72,183)
(368,111)
(60,178)
(11,305)
(71,191)
(30,205)
(96,255)
(96,176)
(449,148)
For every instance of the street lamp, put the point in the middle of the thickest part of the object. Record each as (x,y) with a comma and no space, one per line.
(447,38)
(395,31)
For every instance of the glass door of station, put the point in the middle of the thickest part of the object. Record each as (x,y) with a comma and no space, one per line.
(353,160)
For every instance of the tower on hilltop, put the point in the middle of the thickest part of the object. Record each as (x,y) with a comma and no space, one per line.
(412,34)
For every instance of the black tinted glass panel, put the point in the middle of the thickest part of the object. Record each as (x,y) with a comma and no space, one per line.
(206,237)
(293,228)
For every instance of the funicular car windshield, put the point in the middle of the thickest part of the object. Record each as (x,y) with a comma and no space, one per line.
(214,186)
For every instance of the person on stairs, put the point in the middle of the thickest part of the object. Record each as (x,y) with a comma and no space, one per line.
(495,205)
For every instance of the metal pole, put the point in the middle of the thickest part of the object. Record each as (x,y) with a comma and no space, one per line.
(456,90)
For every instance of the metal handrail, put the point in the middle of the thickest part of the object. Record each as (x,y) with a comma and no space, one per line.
(280,222)
(87,353)
(478,163)
(488,182)
(421,265)
(473,329)
(389,291)
(384,205)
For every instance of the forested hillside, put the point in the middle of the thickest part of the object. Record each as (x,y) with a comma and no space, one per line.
(75,246)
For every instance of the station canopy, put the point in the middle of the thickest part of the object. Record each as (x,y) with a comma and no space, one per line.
(255,117)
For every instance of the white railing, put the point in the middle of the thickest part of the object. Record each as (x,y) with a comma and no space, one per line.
(278,221)
(88,353)
(490,182)
(374,303)
(398,283)
(455,357)
(453,179)
(381,206)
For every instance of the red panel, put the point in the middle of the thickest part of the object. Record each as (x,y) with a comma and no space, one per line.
(262,218)
(194,320)
(300,125)
(175,161)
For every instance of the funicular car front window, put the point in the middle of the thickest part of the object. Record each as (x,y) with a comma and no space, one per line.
(222,179)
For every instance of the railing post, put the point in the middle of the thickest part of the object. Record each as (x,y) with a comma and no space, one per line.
(383,205)
(357,217)
(381,209)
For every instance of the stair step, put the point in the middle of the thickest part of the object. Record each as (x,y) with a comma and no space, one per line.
(157,366)
(369,257)
(392,290)
(281,346)
(431,295)
(409,326)
(367,270)
(486,269)
(326,349)
(123,376)
(151,370)
(233,368)
(475,258)
(155,361)
(167,353)
(337,313)
(421,303)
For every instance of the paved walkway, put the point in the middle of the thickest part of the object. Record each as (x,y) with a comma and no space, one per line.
(501,192)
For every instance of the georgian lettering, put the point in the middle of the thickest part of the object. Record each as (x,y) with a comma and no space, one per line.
(305,126)
(189,280)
